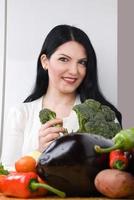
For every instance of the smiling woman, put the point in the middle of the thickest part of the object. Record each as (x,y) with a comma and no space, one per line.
(66,76)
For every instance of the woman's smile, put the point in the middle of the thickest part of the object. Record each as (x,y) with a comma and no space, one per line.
(69,80)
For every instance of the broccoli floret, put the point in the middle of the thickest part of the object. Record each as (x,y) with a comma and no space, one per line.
(94,105)
(99,127)
(83,115)
(114,127)
(46,115)
(86,111)
(96,118)
(103,128)
(108,113)
(99,116)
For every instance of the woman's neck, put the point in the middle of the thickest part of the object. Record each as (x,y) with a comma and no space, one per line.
(61,104)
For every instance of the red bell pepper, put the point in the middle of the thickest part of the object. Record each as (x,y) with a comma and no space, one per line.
(25,185)
(118,160)
(2,177)
(3,173)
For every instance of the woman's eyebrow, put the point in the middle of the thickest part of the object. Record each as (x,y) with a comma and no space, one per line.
(70,57)
(83,58)
(61,54)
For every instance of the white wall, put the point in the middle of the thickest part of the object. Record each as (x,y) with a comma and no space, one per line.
(28,22)
(2,63)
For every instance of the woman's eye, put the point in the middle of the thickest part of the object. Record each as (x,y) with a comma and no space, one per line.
(63,59)
(83,62)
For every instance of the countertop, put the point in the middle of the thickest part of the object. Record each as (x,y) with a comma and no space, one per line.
(55,198)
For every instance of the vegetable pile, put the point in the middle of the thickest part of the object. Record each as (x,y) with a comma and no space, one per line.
(121,164)
(78,165)
(98,159)
(24,182)
(70,163)
(25,185)
(74,166)
(117,159)
(96,118)
(121,153)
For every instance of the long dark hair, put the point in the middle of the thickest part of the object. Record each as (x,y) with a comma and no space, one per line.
(89,88)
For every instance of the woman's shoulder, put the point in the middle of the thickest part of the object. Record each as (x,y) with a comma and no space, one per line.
(23,109)
(33,104)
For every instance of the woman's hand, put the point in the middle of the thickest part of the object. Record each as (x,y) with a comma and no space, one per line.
(49,132)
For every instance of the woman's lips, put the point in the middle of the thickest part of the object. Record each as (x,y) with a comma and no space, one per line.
(69,80)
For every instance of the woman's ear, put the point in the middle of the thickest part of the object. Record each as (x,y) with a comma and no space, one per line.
(44,61)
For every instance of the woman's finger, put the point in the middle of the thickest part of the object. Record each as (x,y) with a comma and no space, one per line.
(52,122)
(44,132)
(49,137)
(44,141)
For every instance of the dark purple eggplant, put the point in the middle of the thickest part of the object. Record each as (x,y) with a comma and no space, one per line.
(130,155)
(70,163)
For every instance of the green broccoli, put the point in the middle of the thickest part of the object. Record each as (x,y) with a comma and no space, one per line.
(102,127)
(46,115)
(83,115)
(94,105)
(93,117)
(108,113)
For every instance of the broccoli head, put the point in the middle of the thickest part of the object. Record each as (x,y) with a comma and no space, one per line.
(103,128)
(93,117)
(46,115)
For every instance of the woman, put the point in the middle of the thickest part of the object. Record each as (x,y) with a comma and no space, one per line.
(66,76)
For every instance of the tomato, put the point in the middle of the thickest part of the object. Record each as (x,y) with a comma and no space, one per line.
(25,164)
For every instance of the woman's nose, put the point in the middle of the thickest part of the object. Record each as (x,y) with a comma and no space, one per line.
(73,69)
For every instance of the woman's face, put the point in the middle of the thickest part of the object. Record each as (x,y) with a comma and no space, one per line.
(66,67)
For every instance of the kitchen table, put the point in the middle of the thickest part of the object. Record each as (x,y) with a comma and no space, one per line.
(55,198)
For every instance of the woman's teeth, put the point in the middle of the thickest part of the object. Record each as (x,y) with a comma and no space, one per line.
(70,80)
